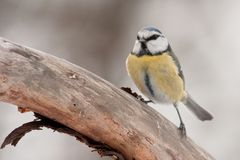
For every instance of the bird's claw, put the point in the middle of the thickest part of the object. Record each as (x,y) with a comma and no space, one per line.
(145,101)
(182,129)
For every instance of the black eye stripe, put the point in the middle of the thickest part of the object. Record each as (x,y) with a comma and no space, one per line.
(138,37)
(153,37)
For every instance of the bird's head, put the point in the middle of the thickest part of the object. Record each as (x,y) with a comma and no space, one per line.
(150,41)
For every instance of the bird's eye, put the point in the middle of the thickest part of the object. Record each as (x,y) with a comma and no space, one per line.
(153,37)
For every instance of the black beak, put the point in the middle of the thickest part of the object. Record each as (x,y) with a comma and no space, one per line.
(144,50)
(143,44)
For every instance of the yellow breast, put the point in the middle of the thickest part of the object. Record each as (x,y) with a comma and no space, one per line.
(162,72)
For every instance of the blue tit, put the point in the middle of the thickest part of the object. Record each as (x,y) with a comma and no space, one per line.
(157,73)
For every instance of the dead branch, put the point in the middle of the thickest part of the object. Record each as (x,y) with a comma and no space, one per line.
(41,121)
(89,105)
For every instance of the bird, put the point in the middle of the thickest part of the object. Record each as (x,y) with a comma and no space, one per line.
(157,73)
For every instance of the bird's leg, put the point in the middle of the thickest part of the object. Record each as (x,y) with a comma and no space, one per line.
(182,126)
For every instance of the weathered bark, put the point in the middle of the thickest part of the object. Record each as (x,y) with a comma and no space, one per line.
(90,105)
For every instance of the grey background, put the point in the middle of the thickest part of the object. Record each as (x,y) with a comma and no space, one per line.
(98,35)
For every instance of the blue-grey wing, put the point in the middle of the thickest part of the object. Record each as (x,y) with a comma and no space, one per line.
(175,59)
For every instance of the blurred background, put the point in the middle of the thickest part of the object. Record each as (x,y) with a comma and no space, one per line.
(98,35)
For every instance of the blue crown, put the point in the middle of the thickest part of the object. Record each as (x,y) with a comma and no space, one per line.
(152,29)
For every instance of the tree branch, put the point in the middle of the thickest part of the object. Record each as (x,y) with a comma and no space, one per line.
(41,121)
(89,105)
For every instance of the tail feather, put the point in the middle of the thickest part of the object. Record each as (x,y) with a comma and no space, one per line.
(200,112)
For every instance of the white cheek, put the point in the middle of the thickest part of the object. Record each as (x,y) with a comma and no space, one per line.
(137,47)
(158,45)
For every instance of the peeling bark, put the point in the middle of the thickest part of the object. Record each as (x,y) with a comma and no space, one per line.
(84,102)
